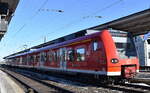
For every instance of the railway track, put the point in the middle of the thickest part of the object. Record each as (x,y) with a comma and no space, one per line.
(78,88)
(129,88)
(24,86)
(125,87)
(34,85)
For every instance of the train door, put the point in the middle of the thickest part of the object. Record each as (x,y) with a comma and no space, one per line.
(42,59)
(63,63)
(96,59)
(20,60)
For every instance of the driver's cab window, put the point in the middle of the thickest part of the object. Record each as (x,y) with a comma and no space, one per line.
(148,41)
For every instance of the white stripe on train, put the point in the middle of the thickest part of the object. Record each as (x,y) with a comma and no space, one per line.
(76,70)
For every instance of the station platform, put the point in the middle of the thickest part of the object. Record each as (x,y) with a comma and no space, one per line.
(7,85)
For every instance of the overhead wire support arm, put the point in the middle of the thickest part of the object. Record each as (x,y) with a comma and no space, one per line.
(52,10)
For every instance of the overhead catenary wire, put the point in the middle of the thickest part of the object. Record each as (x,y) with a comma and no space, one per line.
(31,18)
(107,7)
(84,17)
(91,15)
(51,10)
(73,22)
(36,13)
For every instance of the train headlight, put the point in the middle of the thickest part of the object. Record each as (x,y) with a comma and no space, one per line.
(114,60)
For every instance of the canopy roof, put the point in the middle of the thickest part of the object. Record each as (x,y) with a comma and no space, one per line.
(11,5)
(137,24)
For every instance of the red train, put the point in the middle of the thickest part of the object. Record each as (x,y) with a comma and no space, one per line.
(108,54)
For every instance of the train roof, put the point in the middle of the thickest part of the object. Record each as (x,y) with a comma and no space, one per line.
(69,38)
(63,39)
(51,46)
(76,35)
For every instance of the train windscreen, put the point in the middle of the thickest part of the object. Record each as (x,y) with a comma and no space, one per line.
(124,45)
(148,41)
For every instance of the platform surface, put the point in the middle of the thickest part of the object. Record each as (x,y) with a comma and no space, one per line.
(7,85)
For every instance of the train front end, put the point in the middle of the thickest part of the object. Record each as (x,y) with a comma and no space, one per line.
(121,54)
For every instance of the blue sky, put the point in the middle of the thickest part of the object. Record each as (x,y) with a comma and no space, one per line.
(29,26)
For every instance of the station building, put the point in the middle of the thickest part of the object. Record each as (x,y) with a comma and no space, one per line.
(142,43)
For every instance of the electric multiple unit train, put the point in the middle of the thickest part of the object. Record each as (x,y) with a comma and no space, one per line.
(107,53)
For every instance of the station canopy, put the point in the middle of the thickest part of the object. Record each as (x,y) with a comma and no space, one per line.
(12,4)
(7,8)
(137,23)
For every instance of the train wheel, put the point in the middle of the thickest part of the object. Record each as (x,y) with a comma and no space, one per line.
(121,81)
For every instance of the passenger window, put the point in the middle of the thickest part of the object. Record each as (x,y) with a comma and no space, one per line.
(31,58)
(24,59)
(58,56)
(28,58)
(42,57)
(71,55)
(55,56)
(38,58)
(81,54)
(50,56)
(45,56)
(95,46)
(62,55)
(34,58)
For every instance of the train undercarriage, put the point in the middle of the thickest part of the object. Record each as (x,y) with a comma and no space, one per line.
(81,77)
